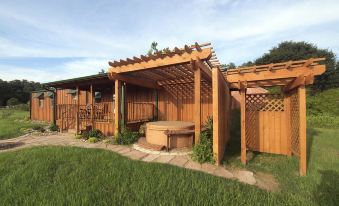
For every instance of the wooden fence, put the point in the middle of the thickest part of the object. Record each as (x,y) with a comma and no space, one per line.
(221,114)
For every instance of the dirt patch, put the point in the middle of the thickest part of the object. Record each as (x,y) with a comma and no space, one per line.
(10,145)
(266,181)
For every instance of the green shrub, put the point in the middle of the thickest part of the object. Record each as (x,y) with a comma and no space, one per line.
(39,128)
(78,136)
(92,133)
(127,136)
(95,133)
(53,127)
(203,151)
(93,139)
(12,101)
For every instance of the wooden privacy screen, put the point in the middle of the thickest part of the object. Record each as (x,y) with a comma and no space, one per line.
(42,111)
(266,123)
(221,114)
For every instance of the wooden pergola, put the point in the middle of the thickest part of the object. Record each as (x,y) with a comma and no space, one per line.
(183,71)
(275,123)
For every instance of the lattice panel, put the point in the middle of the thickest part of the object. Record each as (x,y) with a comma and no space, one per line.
(265,102)
(295,122)
(251,129)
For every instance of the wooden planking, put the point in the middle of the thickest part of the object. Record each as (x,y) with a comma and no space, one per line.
(44,113)
(221,114)
(197,102)
(302,130)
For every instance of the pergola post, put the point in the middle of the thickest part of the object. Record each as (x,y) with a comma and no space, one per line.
(123,91)
(92,106)
(197,101)
(77,114)
(117,107)
(302,130)
(243,124)
(287,110)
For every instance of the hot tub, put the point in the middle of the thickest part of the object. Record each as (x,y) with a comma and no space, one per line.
(155,133)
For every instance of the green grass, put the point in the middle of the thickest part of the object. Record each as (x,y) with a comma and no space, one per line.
(319,187)
(13,122)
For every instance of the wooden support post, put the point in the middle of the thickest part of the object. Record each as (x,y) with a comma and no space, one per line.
(77,114)
(302,130)
(156,98)
(197,101)
(215,114)
(287,110)
(117,107)
(92,106)
(123,87)
(243,125)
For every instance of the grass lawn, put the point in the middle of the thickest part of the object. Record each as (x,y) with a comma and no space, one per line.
(12,123)
(74,176)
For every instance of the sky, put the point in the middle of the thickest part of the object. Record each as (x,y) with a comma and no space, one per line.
(52,40)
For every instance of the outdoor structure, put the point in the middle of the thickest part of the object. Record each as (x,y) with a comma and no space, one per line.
(187,84)
(275,122)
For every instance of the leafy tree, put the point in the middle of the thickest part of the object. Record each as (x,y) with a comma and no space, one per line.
(228,66)
(290,50)
(102,71)
(12,101)
(19,89)
(153,48)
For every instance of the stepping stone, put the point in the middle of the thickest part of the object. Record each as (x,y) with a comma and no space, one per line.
(117,148)
(245,177)
(193,165)
(150,157)
(163,158)
(222,172)
(135,155)
(179,161)
(208,168)
(124,151)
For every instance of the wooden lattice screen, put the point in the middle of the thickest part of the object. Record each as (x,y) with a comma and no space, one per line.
(295,119)
(265,127)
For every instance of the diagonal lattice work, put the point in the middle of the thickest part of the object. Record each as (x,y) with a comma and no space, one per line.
(256,103)
(264,102)
(295,122)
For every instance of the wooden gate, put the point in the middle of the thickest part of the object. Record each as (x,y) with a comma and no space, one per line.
(266,123)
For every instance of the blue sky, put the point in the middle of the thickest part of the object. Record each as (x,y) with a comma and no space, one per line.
(51,40)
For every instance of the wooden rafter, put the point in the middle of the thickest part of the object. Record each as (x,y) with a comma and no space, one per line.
(134,80)
(278,74)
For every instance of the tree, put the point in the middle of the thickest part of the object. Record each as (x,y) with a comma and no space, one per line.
(228,66)
(12,101)
(153,48)
(290,50)
(102,71)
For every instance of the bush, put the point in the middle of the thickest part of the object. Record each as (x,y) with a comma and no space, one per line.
(323,121)
(93,139)
(53,127)
(127,136)
(12,101)
(142,129)
(92,133)
(39,128)
(203,151)
(78,136)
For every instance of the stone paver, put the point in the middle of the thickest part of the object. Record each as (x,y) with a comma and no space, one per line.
(208,168)
(245,177)
(193,165)
(137,153)
(222,172)
(179,161)
(163,159)
(150,157)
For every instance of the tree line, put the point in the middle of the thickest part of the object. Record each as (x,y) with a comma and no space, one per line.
(290,50)
(17,91)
